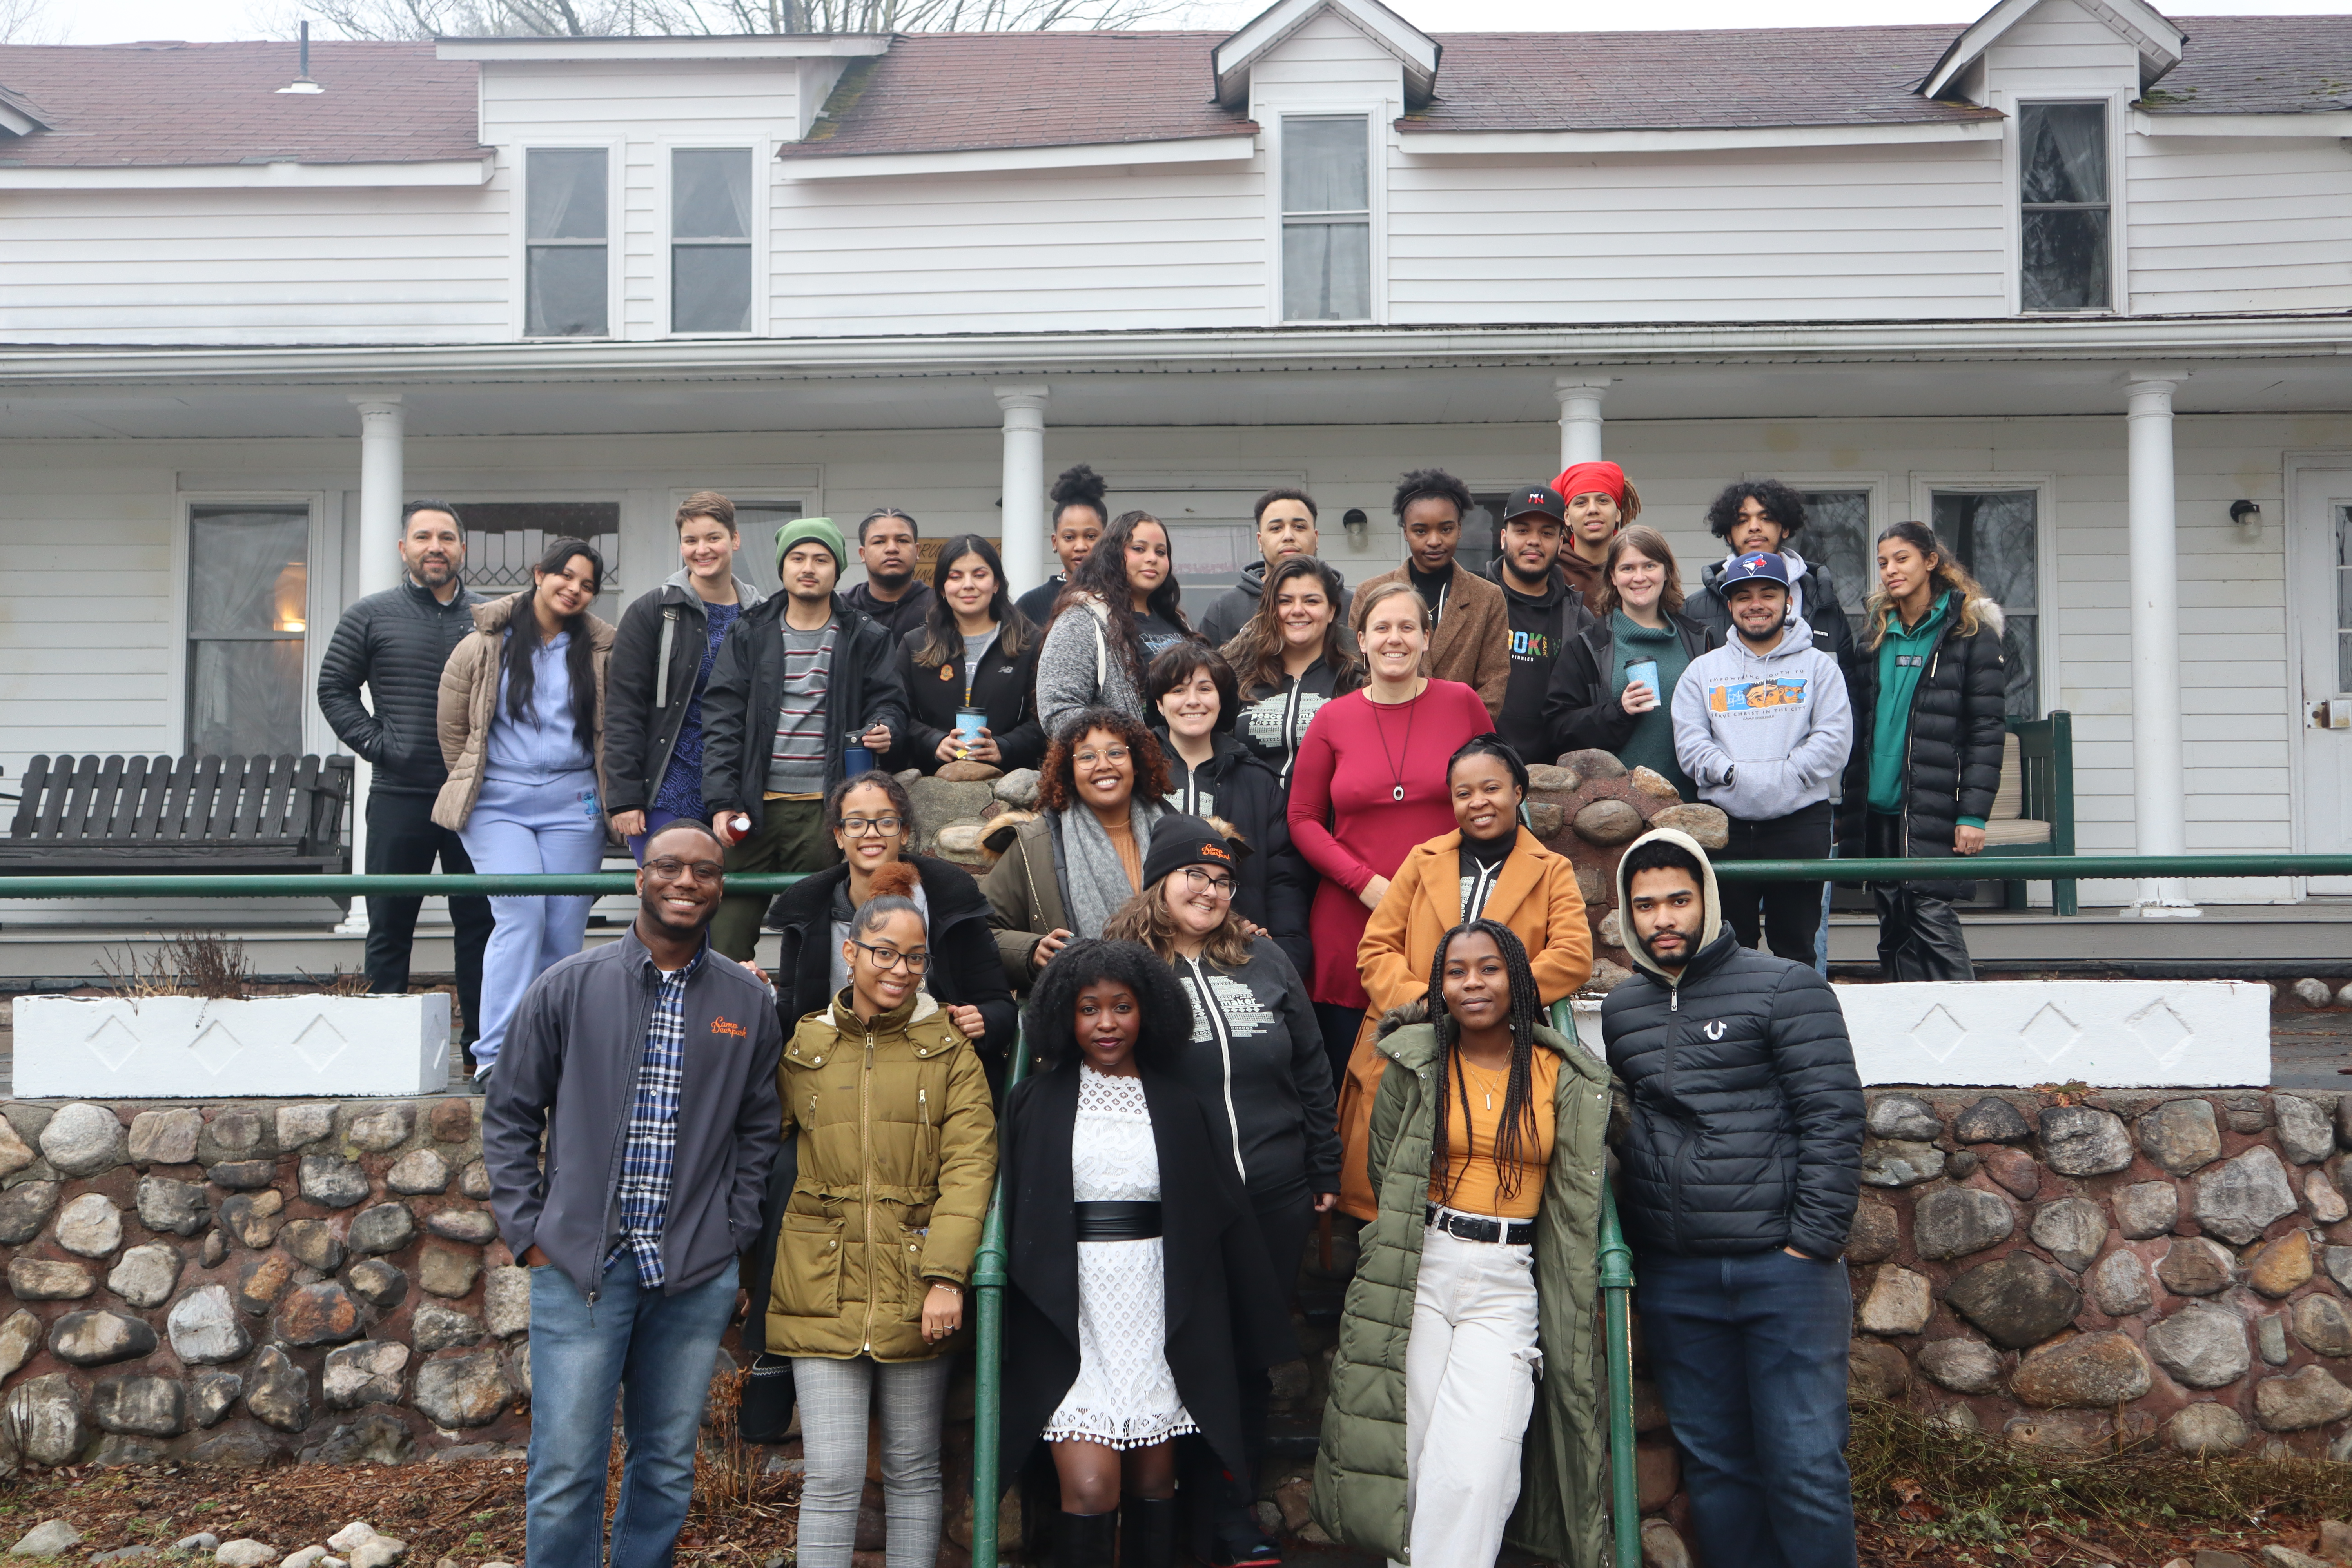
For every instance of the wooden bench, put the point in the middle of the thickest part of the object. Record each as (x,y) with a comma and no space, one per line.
(2033,810)
(90,816)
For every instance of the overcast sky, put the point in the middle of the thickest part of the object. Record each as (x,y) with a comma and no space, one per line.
(117,21)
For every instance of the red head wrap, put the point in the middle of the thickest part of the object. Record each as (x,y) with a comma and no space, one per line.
(1582,478)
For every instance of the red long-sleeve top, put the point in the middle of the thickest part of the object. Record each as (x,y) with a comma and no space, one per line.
(1345,818)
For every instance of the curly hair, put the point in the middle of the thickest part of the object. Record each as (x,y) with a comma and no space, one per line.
(1429,484)
(1101,577)
(1515,1127)
(1781,503)
(900,801)
(1050,1022)
(1057,785)
(1079,485)
(1145,918)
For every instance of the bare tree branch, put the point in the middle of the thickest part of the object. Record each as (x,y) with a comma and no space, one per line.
(32,22)
(387,19)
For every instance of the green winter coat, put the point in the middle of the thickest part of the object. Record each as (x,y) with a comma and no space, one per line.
(1360,1496)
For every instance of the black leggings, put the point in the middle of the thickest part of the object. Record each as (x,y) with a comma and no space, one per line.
(1919,935)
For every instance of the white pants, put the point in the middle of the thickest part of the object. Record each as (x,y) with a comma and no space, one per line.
(1470,1385)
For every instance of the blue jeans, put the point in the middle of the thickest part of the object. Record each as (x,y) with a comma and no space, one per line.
(552,828)
(1750,1355)
(659,1351)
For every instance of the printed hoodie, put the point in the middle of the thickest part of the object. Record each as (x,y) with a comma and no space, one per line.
(1764,734)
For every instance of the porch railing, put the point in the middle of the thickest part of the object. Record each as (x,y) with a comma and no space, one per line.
(1987,867)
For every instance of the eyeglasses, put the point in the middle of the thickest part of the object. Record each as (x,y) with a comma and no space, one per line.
(1088,759)
(859,827)
(1199,881)
(670,869)
(887,958)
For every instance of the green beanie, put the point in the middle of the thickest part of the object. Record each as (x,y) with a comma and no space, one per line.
(801,530)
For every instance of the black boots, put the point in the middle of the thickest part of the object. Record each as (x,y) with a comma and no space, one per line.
(1148,1532)
(1085,1540)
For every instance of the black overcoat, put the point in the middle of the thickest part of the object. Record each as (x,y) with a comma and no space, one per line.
(1225,1312)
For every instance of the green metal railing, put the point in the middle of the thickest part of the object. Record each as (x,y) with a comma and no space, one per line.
(988,1282)
(1987,867)
(1617,1324)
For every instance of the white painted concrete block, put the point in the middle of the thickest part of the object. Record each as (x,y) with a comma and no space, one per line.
(2110,1033)
(194,1048)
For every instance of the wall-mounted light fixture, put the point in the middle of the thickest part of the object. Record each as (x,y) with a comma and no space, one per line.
(2248,517)
(1358,527)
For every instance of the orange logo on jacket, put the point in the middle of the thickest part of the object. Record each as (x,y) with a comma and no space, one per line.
(721,1026)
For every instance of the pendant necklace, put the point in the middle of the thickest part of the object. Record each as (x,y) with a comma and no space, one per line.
(1396,769)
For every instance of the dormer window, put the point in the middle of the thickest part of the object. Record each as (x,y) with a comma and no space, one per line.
(2063,227)
(1327,218)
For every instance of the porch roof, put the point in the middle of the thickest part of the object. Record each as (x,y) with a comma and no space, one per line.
(1260,377)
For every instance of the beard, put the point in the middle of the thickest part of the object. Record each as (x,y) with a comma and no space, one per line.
(891,582)
(434,570)
(1649,947)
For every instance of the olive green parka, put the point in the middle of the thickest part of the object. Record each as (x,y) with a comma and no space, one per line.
(1360,1496)
(896,1161)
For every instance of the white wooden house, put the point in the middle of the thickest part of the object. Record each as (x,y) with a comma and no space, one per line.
(2073,281)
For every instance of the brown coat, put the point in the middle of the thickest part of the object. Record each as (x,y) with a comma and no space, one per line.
(469,698)
(1473,640)
(1584,577)
(1536,896)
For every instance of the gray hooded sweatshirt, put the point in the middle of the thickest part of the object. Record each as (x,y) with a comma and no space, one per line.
(1764,734)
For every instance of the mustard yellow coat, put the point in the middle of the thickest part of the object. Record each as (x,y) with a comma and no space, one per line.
(1536,896)
(898,1160)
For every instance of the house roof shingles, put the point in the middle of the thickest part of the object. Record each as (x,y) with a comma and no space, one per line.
(951,92)
(1725,78)
(2258,65)
(162,104)
(126,105)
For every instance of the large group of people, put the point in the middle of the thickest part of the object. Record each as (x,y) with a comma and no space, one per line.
(1280,943)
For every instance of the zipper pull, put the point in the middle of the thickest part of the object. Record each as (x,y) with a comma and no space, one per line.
(1675,999)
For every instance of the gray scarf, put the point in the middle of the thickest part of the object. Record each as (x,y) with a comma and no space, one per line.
(1094,881)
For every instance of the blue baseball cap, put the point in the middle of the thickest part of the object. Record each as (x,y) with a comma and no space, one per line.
(1761,567)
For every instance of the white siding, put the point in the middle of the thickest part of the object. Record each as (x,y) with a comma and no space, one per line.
(2239,224)
(2060,49)
(644,109)
(87,655)
(1329,55)
(247,266)
(1791,235)
(1150,247)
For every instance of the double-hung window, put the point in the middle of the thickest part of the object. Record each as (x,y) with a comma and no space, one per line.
(248,584)
(566,194)
(1327,218)
(1995,533)
(2064,220)
(710,239)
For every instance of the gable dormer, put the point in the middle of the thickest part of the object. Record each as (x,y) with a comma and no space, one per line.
(2131,41)
(16,116)
(1292,36)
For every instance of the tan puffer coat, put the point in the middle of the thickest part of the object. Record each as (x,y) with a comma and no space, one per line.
(469,696)
(898,1160)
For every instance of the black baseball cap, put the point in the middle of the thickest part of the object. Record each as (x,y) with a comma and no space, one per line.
(1536,498)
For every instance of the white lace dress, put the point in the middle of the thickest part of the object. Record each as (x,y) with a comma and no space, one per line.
(1124,1395)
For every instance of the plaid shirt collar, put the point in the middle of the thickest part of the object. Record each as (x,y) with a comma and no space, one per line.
(648,1153)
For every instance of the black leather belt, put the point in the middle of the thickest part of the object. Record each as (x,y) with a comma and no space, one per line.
(1468,1227)
(1116,1221)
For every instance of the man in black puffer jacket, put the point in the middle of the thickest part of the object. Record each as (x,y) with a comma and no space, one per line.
(1740,1176)
(395,644)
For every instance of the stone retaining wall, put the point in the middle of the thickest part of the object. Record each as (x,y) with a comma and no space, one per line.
(247,1282)
(242,1282)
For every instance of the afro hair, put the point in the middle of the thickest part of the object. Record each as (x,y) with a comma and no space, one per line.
(1781,503)
(1429,484)
(1050,1021)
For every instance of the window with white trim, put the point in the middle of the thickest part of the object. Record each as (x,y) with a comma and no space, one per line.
(1327,218)
(249,587)
(710,239)
(2063,219)
(1996,534)
(1837,537)
(566,198)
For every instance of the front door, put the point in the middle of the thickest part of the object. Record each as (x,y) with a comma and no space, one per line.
(2320,579)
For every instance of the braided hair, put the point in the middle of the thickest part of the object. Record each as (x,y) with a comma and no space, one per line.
(1518,1125)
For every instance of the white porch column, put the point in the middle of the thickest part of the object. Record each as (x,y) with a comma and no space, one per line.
(2159,784)
(1023,521)
(1580,417)
(383,430)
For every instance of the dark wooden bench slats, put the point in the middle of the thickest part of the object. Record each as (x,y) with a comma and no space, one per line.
(117,813)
